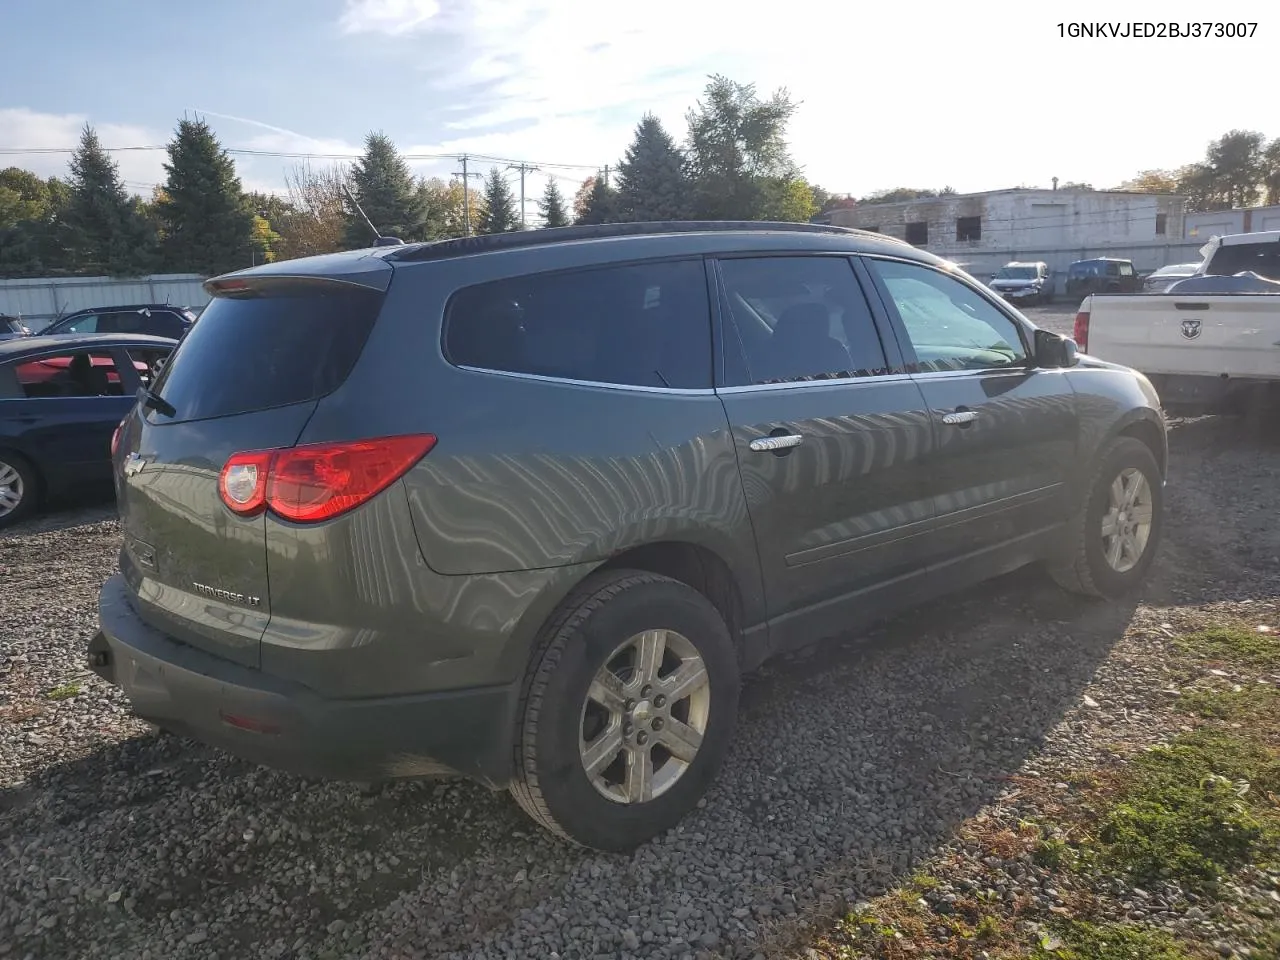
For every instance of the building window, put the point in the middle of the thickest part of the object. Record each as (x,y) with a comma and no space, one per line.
(1162,224)
(968,228)
(918,233)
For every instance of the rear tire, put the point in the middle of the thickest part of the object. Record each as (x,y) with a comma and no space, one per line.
(1124,501)
(592,699)
(19,488)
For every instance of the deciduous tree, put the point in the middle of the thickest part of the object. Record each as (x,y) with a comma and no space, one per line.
(737,145)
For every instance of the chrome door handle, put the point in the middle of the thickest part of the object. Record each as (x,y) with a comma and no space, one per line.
(960,417)
(769,444)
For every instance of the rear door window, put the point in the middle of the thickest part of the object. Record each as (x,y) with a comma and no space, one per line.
(800,318)
(268,348)
(644,324)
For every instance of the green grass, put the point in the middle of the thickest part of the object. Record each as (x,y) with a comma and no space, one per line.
(1253,702)
(1077,940)
(1194,809)
(1234,644)
(64,691)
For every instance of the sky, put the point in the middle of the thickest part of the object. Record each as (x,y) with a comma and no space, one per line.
(976,96)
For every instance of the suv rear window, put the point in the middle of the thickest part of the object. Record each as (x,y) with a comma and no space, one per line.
(267,349)
(644,324)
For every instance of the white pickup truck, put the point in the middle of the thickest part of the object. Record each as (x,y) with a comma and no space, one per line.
(1200,349)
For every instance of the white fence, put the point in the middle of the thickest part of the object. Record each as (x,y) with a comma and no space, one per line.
(39,301)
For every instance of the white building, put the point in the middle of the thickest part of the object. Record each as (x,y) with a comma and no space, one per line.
(1221,223)
(986,230)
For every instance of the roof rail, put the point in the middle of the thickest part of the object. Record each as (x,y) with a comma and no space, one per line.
(601,231)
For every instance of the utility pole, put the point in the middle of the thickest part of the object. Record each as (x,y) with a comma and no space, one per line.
(466,196)
(606,175)
(523,168)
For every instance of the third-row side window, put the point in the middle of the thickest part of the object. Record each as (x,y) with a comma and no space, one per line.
(646,324)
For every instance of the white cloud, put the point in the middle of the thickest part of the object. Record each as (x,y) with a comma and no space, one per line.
(22,128)
(392,17)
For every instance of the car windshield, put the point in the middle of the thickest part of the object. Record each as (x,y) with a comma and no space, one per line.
(1016,273)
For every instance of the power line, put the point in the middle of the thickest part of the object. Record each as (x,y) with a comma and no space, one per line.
(305,155)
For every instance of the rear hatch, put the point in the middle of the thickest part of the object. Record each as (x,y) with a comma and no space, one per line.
(247,377)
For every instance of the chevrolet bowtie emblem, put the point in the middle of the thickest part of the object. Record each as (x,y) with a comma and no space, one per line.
(133,465)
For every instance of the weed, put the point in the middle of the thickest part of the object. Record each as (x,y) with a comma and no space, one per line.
(1052,853)
(1252,702)
(1078,940)
(1237,644)
(988,928)
(1188,811)
(64,691)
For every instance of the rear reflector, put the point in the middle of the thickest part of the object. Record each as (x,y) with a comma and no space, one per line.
(318,481)
(1082,331)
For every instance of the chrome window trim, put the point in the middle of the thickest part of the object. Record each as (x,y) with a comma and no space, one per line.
(567,381)
(828,382)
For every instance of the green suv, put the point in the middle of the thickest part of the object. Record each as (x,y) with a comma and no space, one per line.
(526,508)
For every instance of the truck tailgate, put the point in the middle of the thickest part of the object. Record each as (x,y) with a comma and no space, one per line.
(1207,335)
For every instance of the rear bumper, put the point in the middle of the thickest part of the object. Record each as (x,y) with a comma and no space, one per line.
(1209,392)
(284,725)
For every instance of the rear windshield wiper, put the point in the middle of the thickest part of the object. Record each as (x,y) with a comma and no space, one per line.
(152,400)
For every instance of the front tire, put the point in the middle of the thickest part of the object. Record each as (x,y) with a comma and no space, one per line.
(1111,542)
(19,488)
(628,710)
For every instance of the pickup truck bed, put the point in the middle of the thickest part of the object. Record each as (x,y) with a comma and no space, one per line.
(1200,349)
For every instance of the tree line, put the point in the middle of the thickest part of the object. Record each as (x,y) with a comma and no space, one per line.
(733,164)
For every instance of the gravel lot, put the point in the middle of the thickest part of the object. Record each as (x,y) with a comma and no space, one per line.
(850,766)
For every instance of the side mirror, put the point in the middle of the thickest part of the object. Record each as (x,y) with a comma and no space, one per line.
(1054,350)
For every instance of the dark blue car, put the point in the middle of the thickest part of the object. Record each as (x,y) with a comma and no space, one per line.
(61,398)
(153,319)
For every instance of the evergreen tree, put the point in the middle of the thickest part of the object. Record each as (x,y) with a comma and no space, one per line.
(599,205)
(651,177)
(499,214)
(551,206)
(101,230)
(738,157)
(205,219)
(385,189)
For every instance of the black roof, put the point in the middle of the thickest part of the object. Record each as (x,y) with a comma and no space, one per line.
(462,246)
(38,343)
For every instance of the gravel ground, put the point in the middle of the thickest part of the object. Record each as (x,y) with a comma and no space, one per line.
(851,765)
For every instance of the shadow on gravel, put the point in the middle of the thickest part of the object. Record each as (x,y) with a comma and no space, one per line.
(89,506)
(851,763)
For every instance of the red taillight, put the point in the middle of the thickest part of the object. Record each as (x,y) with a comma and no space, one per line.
(243,481)
(1082,331)
(319,480)
(115,437)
